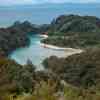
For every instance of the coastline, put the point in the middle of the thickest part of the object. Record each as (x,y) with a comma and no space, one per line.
(68,51)
(58,48)
(44,36)
(37,52)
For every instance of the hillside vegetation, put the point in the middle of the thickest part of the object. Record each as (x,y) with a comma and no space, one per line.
(15,36)
(74,31)
(75,23)
(73,78)
(82,70)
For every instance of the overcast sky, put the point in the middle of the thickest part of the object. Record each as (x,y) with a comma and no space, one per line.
(15,2)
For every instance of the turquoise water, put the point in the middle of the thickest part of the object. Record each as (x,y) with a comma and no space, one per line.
(42,14)
(35,52)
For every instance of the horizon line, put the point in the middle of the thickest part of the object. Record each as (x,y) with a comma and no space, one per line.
(50,3)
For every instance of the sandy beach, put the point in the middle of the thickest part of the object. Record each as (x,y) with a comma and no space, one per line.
(68,51)
(44,36)
(38,51)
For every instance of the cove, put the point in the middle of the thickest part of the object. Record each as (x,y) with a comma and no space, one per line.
(35,53)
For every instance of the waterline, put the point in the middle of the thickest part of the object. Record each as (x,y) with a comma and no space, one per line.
(37,53)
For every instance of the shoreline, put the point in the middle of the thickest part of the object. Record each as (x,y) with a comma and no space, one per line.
(47,50)
(44,36)
(48,46)
(53,47)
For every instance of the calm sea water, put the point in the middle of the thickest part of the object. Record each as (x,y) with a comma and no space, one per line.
(41,14)
(36,53)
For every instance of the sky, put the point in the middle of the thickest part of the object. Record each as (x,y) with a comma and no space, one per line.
(16,2)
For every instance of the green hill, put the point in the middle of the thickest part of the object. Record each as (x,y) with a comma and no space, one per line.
(75,23)
(82,70)
(74,31)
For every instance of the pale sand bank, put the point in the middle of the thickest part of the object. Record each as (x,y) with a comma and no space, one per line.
(71,50)
(44,36)
(68,51)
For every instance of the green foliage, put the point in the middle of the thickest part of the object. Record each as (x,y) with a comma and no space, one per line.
(75,23)
(46,91)
(41,85)
(16,36)
(20,76)
(74,40)
(81,70)
(74,31)
(74,93)
(6,97)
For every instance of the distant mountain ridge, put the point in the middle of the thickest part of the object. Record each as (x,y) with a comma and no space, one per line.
(79,31)
(75,23)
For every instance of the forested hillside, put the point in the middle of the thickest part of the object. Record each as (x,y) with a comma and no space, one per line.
(75,23)
(15,36)
(74,78)
(74,31)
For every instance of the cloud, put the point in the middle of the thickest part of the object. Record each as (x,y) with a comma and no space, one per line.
(13,2)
